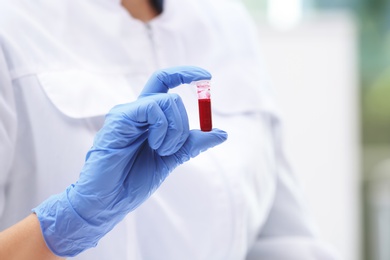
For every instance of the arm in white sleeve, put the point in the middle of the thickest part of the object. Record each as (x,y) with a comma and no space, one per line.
(7,126)
(289,231)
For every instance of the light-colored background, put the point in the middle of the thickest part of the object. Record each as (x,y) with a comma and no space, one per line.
(329,63)
(312,64)
(313,71)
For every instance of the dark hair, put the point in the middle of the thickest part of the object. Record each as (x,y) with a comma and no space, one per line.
(158,5)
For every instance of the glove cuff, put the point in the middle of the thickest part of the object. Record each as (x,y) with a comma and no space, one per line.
(66,233)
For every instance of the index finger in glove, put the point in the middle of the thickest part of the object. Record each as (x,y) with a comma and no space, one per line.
(163,80)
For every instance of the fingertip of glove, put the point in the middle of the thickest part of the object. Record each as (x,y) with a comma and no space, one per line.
(220,133)
(216,136)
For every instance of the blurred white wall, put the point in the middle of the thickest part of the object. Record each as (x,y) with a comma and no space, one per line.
(313,69)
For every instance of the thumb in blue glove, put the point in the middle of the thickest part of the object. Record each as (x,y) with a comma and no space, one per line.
(138,146)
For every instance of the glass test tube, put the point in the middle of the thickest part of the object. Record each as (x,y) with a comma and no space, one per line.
(204,103)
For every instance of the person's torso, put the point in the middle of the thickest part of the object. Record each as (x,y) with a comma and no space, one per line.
(71,61)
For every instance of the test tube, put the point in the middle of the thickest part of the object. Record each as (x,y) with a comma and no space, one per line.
(204,104)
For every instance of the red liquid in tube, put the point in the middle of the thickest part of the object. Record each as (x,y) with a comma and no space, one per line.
(204,103)
(205,114)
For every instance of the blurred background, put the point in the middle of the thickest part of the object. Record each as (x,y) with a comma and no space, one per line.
(328,62)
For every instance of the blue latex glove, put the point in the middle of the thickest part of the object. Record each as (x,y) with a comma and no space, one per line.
(138,146)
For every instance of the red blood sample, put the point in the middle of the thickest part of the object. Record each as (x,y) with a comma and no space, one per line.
(205,114)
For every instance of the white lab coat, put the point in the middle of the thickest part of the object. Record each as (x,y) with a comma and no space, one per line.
(64,64)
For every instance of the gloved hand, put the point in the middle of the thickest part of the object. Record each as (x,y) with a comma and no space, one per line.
(138,146)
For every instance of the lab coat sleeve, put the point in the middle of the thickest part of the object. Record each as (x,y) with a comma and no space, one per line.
(7,127)
(289,231)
